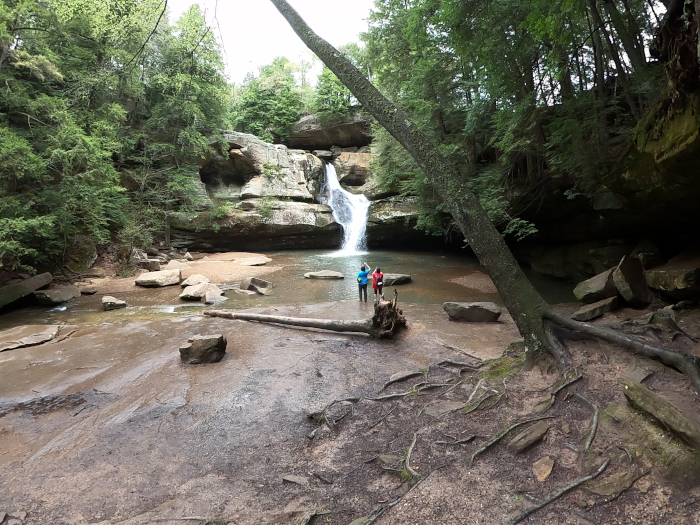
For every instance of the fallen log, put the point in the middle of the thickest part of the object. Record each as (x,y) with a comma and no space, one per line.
(387,317)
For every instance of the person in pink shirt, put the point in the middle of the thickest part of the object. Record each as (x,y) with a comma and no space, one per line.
(377,283)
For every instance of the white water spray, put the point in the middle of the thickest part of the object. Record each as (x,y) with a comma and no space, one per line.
(350,211)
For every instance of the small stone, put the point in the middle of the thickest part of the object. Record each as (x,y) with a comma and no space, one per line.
(581,504)
(13,521)
(591,502)
(256,285)
(613,484)
(566,429)
(86,290)
(299,480)
(188,256)
(595,310)
(20,515)
(203,349)
(112,303)
(644,484)
(473,312)
(542,468)
(214,295)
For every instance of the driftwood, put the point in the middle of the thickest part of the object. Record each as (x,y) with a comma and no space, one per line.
(529,437)
(387,317)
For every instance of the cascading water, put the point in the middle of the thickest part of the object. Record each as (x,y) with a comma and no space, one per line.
(350,211)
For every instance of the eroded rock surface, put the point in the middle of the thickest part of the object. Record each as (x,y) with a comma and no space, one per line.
(56,296)
(15,291)
(158,279)
(596,288)
(112,303)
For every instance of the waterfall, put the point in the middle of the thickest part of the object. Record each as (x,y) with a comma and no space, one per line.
(350,211)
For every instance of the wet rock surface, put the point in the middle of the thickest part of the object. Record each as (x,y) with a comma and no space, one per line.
(24,336)
(473,312)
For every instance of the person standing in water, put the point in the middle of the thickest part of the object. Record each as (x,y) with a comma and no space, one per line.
(377,283)
(362,280)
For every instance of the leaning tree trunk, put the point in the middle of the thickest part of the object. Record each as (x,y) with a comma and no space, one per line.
(525,305)
(532,315)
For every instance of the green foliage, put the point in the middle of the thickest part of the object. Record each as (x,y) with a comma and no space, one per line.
(270,103)
(95,95)
(516,94)
(266,208)
(331,94)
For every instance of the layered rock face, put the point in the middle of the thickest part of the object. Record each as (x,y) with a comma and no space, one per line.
(264,196)
(316,132)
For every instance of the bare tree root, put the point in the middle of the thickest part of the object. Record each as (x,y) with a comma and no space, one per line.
(557,346)
(685,363)
(559,494)
(462,441)
(594,423)
(553,394)
(501,435)
(408,457)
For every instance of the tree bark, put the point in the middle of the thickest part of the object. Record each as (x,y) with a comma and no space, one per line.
(629,43)
(525,305)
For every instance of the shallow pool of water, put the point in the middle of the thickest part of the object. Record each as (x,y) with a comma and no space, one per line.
(435,279)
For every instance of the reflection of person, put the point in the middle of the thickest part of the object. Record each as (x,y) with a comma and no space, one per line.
(362,280)
(377,283)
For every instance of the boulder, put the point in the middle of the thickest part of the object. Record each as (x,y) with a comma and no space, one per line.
(630,281)
(595,310)
(112,303)
(194,280)
(336,151)
(87,289)
(321,132)
(648,254)
(395,279)
(324,274)
(203,349)
(256,285)
(188,256)
(57,296)
(353,169)
(159,279)
(152,265)
(194,293)
(12,292)
(323,154)
(596,288)
(679,278)
(214,295)
(472,312)
(177,265)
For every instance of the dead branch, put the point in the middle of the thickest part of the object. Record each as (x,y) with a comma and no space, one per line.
(559,494)
(501,435)
(594,423)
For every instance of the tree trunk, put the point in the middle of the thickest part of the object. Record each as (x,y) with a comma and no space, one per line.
(532,315)
(525,305)
(629,43)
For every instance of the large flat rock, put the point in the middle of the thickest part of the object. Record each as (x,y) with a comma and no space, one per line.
(159,279)
(28,335)
(324,274)
(595,310)
(13,292)
(56,296)
(395,279)
(679,278)
(316,132)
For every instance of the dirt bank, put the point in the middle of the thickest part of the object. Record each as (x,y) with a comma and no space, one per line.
(108,427)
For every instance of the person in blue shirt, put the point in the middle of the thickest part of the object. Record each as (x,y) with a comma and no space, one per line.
(362,280)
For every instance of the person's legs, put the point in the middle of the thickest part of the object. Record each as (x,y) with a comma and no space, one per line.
(359,287)
(364,288)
